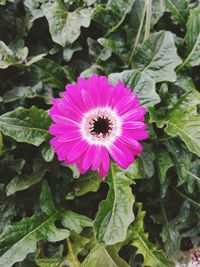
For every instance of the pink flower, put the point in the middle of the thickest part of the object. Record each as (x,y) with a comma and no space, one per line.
(95,120)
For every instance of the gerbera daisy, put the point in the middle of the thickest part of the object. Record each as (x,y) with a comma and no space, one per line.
(94,121)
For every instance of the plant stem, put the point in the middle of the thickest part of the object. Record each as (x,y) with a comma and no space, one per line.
(148,19)
(186,197)
(164,213)
(138,34)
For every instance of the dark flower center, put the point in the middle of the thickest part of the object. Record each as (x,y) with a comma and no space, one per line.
(101,126)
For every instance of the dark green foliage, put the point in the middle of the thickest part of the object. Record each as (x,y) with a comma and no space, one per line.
(52,216)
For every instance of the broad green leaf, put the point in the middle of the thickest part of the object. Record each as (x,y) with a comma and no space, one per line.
(101,256)
(115,213)
(140,83)
(65,26)
(158,9)
(135,28)
(22,182)
(178,9)
(46,201)
(23,92)
(135,170)
(17,56)
(96,50)
(70,50)
(185,82)
(8,162)
(192,40)
(26,125)
(47,152)
(147,161)
(89,182)
(19,239)
(184,121)
(187,170)
(164,163)
(152,256)
(116,46)
(113,14)
(74,221)
(172,232)
(8,208)
(49,262)
(157,57)
(50,73)
(171,239)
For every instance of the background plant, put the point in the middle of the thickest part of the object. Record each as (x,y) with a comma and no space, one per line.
(146,215)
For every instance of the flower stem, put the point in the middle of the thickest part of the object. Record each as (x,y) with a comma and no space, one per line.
(185,197)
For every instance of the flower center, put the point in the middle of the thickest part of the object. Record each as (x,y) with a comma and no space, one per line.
(101,126)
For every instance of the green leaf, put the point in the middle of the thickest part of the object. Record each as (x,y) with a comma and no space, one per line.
(46,201)
(187,170)
(103,256)
(22,182)
(96,50)
(116,46)
(147,161)
(19,239)
(49,262)
(184,121)
(192,40)
(157,57)
(152,256)
(164,163)
(74,221)
(115,213)
(64,26)
(26,125)
(89,182)
(112,16)
(140,83)
(172,232)
(178,9)
(70,50)
(50,73)
(47,152)
(17,56)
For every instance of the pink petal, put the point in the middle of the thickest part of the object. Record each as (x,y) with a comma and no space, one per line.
(105,159)
(88,157)
(77,150)
(135,125)
(97,158)
(135,145)
(121,154)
